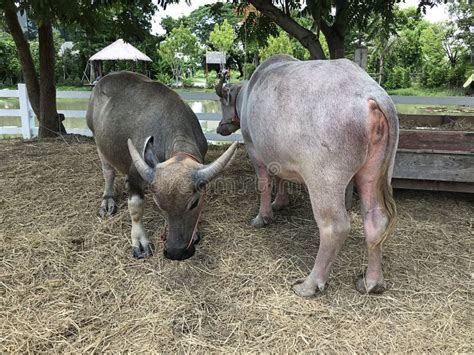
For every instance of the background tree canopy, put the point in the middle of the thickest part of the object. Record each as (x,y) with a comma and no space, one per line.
(404,49)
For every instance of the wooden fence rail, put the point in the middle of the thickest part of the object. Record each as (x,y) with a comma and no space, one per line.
(29,129)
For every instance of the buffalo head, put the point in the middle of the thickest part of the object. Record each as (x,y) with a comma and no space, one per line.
(177,185)
(228,96)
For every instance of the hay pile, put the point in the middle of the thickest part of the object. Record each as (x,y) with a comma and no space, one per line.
(68,282)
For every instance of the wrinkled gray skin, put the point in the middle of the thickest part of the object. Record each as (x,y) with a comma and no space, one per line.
(321,123)
(129,111)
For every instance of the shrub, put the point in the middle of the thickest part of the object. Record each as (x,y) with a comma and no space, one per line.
(397,78)
(249,68)
(187,82)
(165,78)
(435,75)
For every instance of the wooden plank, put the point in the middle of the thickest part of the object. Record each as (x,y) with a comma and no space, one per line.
(449,141)
(73,94)
(10,130)
(82,131)
(433,185)
(217,137)
(197,96)
(434,100)
(25,115)
(433,120)
(209,116)
(434,166)
(73,113)
(10,113)
(8,93)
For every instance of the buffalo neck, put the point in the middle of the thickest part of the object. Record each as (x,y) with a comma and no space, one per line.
(238,108)
(183,144)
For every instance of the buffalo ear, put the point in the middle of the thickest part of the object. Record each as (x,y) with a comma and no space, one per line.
(148,154)
(146,172)
(226,94)
(220,85)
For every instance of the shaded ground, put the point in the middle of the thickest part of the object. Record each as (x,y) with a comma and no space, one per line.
(68,282)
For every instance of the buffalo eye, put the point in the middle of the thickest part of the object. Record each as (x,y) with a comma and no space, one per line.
(194,205)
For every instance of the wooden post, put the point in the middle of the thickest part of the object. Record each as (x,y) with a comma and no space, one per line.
(24,111)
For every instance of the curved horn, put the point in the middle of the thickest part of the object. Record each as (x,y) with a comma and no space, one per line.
(220,84)
(208,172)
(146,172)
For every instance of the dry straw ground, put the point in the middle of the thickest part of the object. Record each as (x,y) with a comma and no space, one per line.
(68,282)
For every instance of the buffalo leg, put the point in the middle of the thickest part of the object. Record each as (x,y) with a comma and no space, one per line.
(375,223)
(140,242)
(334,226)
(265,213)
(281,199)
(108,206)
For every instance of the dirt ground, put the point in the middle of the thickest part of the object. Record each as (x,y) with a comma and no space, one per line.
(68,282)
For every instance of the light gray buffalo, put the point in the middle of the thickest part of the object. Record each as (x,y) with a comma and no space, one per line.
(129,110)
(321,123)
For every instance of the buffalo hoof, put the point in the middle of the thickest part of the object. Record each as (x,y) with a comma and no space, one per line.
(280,204)
(277,207)
(259,221)
(364,287)
(107,208)
(304,289)
(141,253)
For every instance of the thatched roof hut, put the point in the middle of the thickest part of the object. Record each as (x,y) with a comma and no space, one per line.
(119,50)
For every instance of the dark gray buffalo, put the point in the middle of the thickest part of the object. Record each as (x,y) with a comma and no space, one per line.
(321,123)
(128,110)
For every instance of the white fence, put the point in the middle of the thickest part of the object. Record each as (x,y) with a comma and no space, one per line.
(28,128)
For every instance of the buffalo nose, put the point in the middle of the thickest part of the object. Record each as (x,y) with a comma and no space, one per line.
(179,253)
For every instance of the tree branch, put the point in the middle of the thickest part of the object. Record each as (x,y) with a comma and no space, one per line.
(335,33)
(303,35)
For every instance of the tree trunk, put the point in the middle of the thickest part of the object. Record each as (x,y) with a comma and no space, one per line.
(335,39)
(307,38)
(336,46)
(26,60)
(335,33)
(240,68)
(381,63)
(50,121)
(234,59)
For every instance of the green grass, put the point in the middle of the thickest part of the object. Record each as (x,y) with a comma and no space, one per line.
(11,103)
(73,88)
(418,91)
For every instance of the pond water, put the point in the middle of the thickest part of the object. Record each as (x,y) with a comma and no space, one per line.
(208,107)
(81,104)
